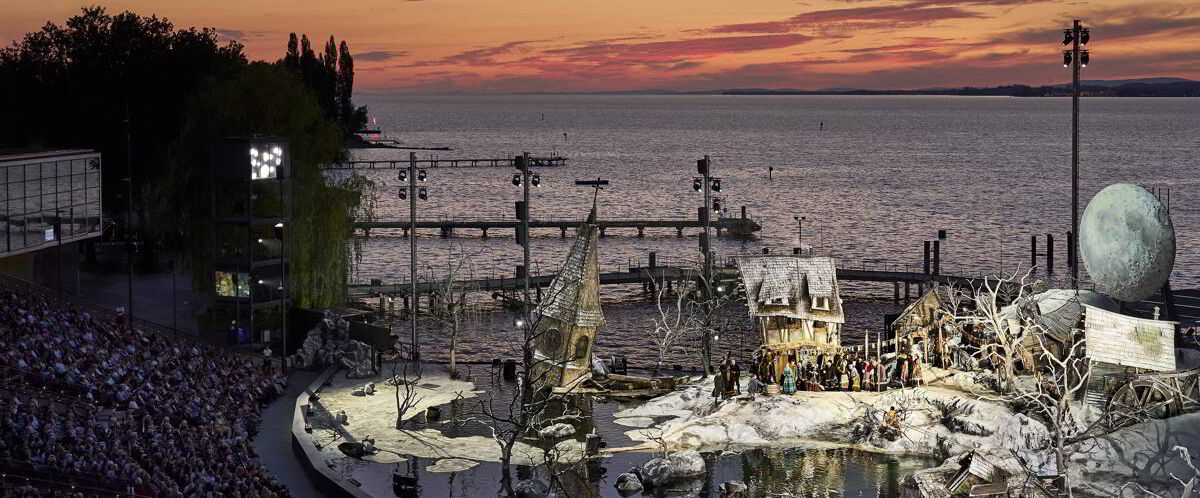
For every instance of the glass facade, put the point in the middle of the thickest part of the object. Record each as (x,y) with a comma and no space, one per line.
(47,197)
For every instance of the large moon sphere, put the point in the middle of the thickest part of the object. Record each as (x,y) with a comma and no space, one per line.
(1127,242)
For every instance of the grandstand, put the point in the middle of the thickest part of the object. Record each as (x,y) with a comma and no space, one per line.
(94,404)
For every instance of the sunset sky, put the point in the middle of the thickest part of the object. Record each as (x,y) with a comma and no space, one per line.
(595,45)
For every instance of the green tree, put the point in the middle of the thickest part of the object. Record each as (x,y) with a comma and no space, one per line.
(266,99)
(73,85)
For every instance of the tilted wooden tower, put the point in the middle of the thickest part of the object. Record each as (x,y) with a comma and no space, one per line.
(569,317)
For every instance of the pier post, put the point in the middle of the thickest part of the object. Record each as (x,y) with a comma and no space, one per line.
(1050,252)
(1071,250)
(1033,251)
(484,233)
(602,232)
(907,294)
(406,231)
(743,212)
(653,259)
(937,257)
(896,292)
(679,231)
(920,288)
(926,257)
(563,232)
(641,232)
(447,232)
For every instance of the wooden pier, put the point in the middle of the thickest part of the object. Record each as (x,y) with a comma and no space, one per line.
(401,163)
(647,274)
(447,226)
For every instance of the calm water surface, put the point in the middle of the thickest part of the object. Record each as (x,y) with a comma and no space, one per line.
(883,176)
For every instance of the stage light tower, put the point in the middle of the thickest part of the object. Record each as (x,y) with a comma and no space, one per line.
(412,192)
(1076,36)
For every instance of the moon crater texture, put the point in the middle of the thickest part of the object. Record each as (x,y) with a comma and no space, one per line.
(1127,242)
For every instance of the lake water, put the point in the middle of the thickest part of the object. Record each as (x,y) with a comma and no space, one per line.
(882,176)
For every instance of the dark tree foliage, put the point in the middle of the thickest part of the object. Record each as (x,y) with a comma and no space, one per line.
(330,77)
(70,86)
(268,100)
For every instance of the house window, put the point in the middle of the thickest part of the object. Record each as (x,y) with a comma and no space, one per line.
(820,303)
(581,347)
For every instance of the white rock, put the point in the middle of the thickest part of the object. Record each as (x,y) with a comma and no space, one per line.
(556,431)
(733,489)
(686,463)
(451,465)
(639,422)
(628,483)
(656,472)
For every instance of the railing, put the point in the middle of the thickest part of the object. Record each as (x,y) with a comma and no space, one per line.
(100,311)
(45,386)
(15,474)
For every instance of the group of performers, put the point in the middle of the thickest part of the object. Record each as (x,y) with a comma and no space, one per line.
(809,369)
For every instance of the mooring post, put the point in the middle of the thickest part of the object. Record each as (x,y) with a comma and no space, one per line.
(927,257)
(1071,250)
(937,257)
(1033,251)
(1050,252)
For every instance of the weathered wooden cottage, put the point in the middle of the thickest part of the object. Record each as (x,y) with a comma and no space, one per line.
(1132,361)
(794,299)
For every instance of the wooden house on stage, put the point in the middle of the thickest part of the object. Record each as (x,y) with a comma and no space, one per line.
(569,317)
(794,300)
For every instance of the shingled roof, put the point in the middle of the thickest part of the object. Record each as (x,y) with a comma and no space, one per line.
(782,285)
(1129,341)
(574,295)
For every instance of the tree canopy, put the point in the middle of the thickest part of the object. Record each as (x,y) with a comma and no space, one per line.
(77,85)
(74,85)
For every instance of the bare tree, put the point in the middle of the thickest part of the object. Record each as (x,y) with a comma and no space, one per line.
(1054,395)
(451,304)
(1007,334)
(674,323)
(406,374)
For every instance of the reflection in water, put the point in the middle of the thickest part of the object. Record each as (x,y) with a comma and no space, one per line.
(820,472)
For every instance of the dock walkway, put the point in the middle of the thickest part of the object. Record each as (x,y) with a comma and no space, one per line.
(447,225)
(403,163)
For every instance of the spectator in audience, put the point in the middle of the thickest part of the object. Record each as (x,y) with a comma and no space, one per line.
(182,416)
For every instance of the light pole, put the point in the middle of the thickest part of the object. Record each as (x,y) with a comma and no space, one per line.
(524,179)
(707,184)
(800,232)
(412,192)
(1076,36)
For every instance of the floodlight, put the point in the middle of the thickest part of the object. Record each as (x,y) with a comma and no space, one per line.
(1066,58)
(1084,58)
(422,193)
(696,184)
(536,181)
(516,180)
(1068,36)
(403,194)
(716,185)
(1085,36)
(421,175)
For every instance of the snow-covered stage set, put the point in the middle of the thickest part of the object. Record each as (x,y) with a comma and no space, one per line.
(1011,387)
